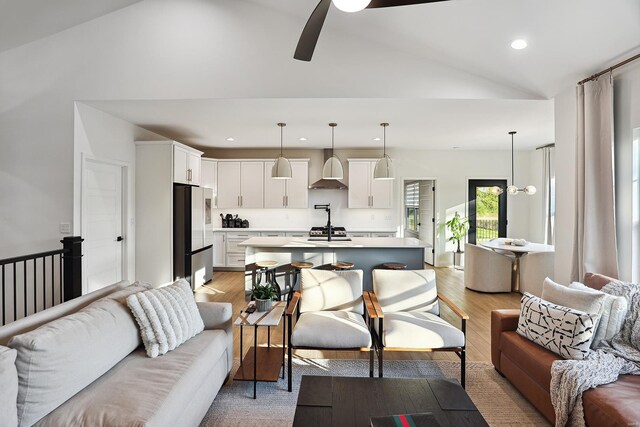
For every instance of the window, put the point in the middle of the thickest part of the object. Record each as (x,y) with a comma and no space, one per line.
(412,205)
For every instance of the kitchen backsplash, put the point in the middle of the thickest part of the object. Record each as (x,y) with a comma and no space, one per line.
(355,219)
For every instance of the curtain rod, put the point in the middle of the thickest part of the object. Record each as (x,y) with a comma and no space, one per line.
(610,69)
(546,146)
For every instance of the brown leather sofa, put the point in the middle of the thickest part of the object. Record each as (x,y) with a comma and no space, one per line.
(528,367)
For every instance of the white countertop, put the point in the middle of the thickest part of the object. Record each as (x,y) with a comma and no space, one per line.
(356,242)
(302,230)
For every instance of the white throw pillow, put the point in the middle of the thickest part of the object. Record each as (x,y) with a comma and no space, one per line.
(613,314)
(565,331)
(575,298)
(167,317)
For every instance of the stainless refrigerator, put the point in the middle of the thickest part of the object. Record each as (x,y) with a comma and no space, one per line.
(192,234)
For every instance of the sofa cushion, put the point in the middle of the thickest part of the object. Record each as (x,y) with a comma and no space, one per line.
(8,387)
(533,359)
(140,391)
(416,329)
(331,290)
(613,314)
(36,320)
(62,357)
(330,329)
(563,330)
(167,316)
(614,404)
(407,290)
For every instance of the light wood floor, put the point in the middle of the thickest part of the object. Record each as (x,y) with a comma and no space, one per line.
(229,287)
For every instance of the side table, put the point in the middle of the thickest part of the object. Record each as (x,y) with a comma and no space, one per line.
(270,359)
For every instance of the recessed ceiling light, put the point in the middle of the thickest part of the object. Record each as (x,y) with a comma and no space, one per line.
(230,139)
(376,139)
(519,44)
(302,138)
(456,148)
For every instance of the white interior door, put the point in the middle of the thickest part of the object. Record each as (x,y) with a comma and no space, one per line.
(102,224)
(427,217)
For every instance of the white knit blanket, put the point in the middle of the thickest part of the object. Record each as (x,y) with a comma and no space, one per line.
(167,317)
(619,356)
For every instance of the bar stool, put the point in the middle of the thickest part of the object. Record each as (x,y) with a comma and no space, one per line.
(294,274)
(341,265)
(268,268)
(394,266)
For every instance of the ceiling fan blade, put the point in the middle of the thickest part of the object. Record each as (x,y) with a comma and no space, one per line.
(392,3)
(311,32)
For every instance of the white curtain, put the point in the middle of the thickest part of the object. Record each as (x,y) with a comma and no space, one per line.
(549,195)
(595,233)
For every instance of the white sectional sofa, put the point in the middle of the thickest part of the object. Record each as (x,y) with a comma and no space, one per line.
(81,363)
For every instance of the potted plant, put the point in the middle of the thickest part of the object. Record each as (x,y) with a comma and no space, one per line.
(458,227)
(264,296)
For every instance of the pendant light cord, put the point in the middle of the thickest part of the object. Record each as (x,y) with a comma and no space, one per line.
(512,157)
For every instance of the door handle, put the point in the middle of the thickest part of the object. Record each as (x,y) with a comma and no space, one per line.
(119,239)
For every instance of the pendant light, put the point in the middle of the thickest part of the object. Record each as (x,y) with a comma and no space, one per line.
(333,166)
(281,167)
(513,189)
(384,168)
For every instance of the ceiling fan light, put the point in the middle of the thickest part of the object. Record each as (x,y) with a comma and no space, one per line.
(512,189)
(281,168)
(383,169)
(530,190)
(496,190)
(351,5)
(332,169)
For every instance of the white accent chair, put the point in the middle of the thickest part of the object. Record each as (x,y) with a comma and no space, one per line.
(330,314)
(486,270)
(534,268)
(407,309)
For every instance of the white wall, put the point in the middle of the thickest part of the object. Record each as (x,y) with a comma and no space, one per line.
(100,136)
(172,49)
(627,118)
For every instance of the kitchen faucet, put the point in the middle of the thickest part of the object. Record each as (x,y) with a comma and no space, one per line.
(327,209)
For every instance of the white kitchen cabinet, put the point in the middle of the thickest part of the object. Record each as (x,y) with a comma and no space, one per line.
(186,165)
(366,192)
(219,249)
(383,234)
(359,234)
(251,184)
(209,178)
(240,184)
(287,193)
(274,189)
(297,188)
(297,234)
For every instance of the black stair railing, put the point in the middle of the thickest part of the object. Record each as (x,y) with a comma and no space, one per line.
(32,283)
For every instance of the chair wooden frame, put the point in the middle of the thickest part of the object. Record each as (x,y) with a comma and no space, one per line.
(294,308)
(380,348)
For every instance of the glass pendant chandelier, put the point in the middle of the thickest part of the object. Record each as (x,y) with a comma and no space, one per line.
(513,189)
(384,167)
(281,167)
(333,166)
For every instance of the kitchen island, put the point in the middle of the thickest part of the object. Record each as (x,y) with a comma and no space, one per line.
(366,253)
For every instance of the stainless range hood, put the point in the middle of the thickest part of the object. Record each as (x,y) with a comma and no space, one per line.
(328,184)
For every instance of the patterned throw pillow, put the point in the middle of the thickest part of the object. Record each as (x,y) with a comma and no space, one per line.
(167,317)
(565,331)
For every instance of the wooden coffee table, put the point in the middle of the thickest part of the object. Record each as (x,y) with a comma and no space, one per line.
(347,401)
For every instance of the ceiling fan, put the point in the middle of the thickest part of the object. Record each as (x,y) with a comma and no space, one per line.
(311,32)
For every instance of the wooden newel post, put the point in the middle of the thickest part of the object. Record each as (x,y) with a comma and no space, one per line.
(72,267)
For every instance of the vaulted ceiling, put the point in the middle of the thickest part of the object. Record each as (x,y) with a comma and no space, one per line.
(171,64)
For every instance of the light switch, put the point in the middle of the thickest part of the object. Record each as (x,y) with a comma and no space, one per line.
(65,228)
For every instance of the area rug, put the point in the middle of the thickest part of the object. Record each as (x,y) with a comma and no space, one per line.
(498,401)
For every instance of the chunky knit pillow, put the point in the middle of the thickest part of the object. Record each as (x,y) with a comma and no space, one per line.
(565,331)
(167,317)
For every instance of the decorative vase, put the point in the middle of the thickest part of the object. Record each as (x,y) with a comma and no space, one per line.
(263,304)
